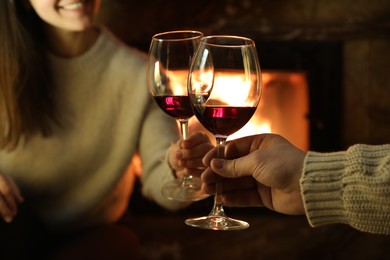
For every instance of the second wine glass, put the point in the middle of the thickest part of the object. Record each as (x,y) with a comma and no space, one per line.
(169,59)
(225,88)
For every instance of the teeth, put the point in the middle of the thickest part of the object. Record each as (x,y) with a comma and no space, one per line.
(72,6)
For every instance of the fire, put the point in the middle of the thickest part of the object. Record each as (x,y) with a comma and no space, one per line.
(283,106)
(229,93)
(177,80)
(252,128)
(257,124)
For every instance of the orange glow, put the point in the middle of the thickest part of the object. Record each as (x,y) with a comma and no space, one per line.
(283,108)
(178,81)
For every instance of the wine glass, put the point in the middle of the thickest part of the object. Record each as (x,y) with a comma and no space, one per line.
(169,60)
(224,86)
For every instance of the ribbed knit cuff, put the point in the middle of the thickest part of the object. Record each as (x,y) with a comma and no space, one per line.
(321,187)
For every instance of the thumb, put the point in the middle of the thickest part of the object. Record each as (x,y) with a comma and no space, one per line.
(234,168)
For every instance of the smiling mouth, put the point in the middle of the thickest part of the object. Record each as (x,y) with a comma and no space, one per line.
(72,6)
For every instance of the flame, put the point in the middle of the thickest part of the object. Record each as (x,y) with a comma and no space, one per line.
(283,107)
(178,80)
(251,128)
(228,93)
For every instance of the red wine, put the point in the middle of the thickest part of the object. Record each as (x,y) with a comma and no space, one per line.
(178,107)
(223,120)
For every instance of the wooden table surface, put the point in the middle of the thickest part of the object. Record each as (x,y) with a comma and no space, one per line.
(149,232)
(164,235)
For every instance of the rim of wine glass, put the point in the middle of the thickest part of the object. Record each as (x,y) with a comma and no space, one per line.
(178,35)
(239,41)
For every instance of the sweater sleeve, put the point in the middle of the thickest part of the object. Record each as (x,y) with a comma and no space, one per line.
(159,131)
(350,187)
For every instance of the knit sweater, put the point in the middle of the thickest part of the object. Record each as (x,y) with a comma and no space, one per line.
(350,187)
(107,115)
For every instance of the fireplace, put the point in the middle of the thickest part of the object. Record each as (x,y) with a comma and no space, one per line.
(300,96)
(312,71)
(302,90)
(283,108)
(343,51)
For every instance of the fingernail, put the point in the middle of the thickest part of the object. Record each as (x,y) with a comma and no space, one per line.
(179,155)
(181,164)
(218,163)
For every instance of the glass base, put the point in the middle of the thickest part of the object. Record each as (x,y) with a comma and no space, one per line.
(184,190)
(217,223)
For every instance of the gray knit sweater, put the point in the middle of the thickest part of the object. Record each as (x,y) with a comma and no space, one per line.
(107,113)
(351,187)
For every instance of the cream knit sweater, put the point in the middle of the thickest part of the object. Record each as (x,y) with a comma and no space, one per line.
(107,115)
(351,187)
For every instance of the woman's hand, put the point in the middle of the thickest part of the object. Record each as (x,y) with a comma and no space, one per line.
(10,197)
(188,154)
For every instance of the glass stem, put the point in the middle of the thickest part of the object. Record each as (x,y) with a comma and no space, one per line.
(184,128)
(184,135)
(218,206)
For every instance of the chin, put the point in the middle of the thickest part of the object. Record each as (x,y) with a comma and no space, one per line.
(80,28)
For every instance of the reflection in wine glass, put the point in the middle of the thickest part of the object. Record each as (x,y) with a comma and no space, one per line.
(169,59)
(225,88)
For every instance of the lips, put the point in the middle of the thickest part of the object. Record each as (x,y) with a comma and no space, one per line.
(71,5)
